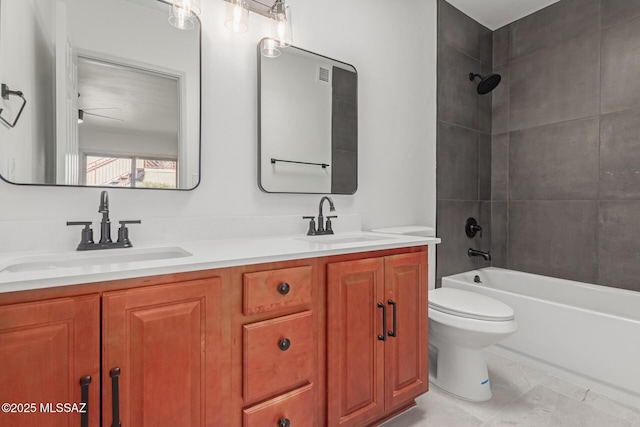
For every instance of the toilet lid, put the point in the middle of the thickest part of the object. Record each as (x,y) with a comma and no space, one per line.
(469,304)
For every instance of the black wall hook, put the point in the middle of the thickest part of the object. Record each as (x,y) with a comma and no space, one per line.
(6,92)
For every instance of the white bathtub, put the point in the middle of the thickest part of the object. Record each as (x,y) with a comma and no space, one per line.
(585,333)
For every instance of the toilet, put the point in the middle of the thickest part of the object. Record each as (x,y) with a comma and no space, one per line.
(461,325)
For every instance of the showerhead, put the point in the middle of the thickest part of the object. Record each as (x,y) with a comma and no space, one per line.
(487,84)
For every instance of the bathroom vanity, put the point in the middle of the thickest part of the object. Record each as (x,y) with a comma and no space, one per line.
(329,330)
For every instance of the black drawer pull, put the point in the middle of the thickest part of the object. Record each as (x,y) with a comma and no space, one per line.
(383,337)
(284,288)
(84,398)
(284,344)
(284,422)
(393,333)
(114,373)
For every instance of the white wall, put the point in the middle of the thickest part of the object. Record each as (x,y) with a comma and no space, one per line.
(295,123)
(394,51)
(26,26)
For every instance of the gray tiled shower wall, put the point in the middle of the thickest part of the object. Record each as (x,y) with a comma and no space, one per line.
(463,139)
(565,142)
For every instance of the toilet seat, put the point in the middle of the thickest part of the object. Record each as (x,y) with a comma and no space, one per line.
(469,305)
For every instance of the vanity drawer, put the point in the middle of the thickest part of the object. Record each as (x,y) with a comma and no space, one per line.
(296,406)
(278,355)
(270,290)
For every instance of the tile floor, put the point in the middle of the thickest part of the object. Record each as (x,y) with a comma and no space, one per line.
(522,396)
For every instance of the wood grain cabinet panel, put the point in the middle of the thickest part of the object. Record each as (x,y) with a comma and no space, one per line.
(295,407)
(355,355)
(406,353)
(45,349)
(265,291)
(278,355)
(165,341)
(376,368)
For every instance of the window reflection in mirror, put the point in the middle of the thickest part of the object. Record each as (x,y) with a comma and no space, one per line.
(103,78)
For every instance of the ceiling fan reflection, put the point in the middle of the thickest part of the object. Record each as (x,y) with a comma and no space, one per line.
(84,112)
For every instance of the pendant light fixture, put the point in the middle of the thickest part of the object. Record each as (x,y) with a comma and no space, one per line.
(183,14)
(237,20)
(281,30)
(237,16)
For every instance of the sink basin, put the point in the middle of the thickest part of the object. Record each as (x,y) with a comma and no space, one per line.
(338,239)
(91,259)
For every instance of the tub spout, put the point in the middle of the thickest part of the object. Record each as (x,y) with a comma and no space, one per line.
(474,252)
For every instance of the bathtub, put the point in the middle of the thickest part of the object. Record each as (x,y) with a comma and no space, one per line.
(583,333)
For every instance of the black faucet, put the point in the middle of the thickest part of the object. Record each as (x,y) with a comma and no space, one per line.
(474,252)
(323,228)
(105,224)
(86,241)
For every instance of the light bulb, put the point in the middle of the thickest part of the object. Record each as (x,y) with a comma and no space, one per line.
(268,48)
(281,30)
(183,14)
(237,16)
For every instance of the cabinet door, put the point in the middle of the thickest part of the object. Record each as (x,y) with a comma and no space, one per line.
(355,371)
(406,359)
(45,349)
(165,340)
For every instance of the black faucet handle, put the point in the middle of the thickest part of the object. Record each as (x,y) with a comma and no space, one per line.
(472,227)
(87,232)
(123,232)
(85,223)
(329,226)
(312,225)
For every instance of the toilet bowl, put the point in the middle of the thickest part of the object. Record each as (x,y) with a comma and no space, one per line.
(461,324)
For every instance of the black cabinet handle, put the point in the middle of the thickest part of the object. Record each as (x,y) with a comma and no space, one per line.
(284,288)
(84,399)
(284,422)
(114,373)
(393,333)
(383,337)
(284,344)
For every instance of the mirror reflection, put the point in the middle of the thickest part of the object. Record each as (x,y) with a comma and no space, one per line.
(308,118)
(112,91)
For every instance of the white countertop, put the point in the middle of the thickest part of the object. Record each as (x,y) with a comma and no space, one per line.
(25,271)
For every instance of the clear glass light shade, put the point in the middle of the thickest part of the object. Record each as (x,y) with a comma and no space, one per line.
(281,30)
(183,13)
(269,48)
(237,16)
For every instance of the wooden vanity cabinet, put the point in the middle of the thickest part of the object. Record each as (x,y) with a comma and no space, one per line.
(275,344)
(46,349)
(299,343)
(377,362)
(165,340)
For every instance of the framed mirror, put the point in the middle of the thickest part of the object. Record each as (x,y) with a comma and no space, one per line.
(111,94)
(308,122)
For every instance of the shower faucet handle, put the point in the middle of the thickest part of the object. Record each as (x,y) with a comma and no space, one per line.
(472,227)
